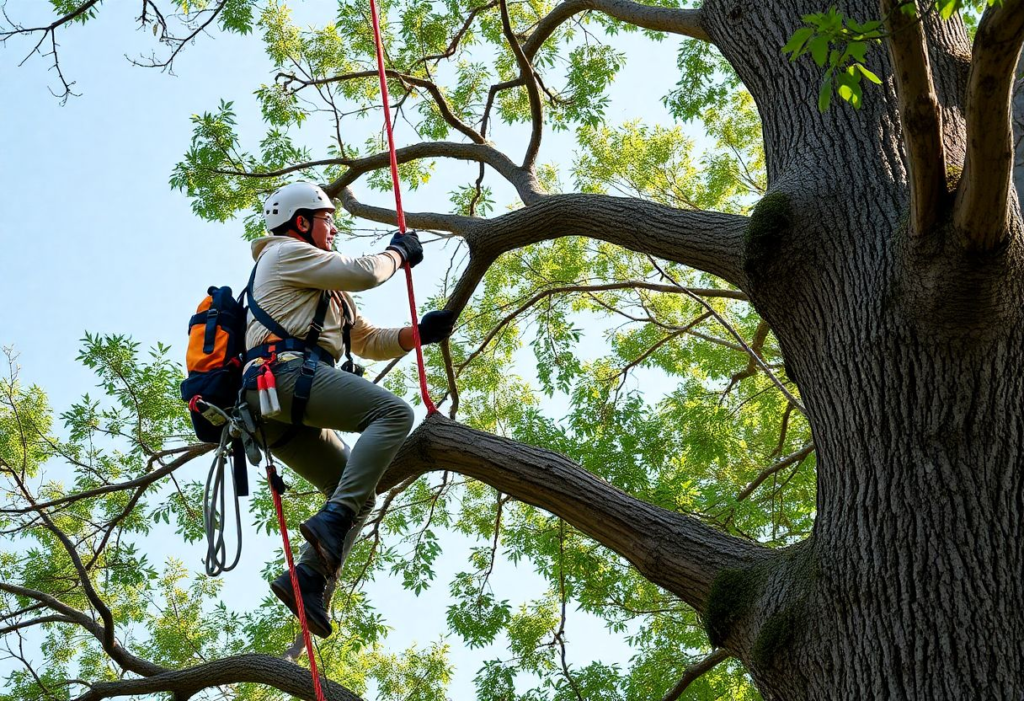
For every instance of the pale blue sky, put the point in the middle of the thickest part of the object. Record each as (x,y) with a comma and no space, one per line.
(94,239)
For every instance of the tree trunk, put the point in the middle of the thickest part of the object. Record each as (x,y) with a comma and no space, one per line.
(907,351)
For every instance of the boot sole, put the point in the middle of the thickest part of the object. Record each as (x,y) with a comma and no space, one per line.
(326,558)
(287,597)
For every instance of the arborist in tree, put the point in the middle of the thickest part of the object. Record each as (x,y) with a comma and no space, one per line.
(301,321)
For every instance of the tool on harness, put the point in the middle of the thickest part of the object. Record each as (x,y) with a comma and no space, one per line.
(242,427)
(270,405)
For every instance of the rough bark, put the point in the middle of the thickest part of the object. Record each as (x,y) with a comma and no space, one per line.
(905,352)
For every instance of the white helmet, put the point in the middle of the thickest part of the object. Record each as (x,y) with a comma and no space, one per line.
(282,205)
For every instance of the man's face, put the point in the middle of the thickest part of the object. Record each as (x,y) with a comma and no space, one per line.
(323,229)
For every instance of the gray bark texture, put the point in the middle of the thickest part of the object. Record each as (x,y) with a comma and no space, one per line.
(906,347)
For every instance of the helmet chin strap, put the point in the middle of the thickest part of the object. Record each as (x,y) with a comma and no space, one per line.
(307,236)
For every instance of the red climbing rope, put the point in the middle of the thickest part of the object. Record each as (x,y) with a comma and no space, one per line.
(424,392)
(271,471)
(272,479)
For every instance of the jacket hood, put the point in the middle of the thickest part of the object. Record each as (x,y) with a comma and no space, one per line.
(263,242)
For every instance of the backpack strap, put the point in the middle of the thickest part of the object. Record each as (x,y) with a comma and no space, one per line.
(304,385)
(258,312)
(346,337)
(210,334)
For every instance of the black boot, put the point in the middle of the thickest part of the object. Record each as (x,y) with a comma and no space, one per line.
(312,585)
(326,532)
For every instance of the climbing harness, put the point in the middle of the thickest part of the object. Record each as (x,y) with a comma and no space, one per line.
(424,392)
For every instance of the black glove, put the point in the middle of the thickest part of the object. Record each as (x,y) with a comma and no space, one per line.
(408,246)
(436,326)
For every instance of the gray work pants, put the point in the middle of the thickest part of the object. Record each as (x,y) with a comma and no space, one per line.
(345,402)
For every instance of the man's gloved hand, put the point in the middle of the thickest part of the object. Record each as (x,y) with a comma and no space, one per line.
(408,246)
(436,326)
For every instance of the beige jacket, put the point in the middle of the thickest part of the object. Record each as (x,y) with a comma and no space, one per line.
(289,278)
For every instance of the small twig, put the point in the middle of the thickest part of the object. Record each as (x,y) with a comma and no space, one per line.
(695,672)
(767,472)
(453,387)
(560,635)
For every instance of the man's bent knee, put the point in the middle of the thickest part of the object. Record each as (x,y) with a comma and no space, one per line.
(404,416)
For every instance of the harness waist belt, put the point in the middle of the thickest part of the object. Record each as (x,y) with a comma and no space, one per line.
(265,350)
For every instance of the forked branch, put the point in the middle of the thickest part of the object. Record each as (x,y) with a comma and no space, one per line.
(525,184)
(919,115)
(287,79)
(981,211)
(526,75)
(662,19)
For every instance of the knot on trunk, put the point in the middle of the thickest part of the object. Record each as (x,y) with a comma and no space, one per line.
(761,612)
(766,235)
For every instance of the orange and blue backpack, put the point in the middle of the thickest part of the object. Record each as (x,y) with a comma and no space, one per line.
(216,348)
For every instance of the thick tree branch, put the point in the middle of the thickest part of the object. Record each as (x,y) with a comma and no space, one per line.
(255,669)
(981,211)
(525,184)
(416,220)
(661,19)
(919,115)
(709,241)
(674,551)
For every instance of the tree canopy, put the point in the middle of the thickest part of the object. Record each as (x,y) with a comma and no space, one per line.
(610,385)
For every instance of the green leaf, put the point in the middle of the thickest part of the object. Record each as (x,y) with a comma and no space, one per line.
(796,43)
(858,50)
(868,74)
(819,50)
(825,95)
